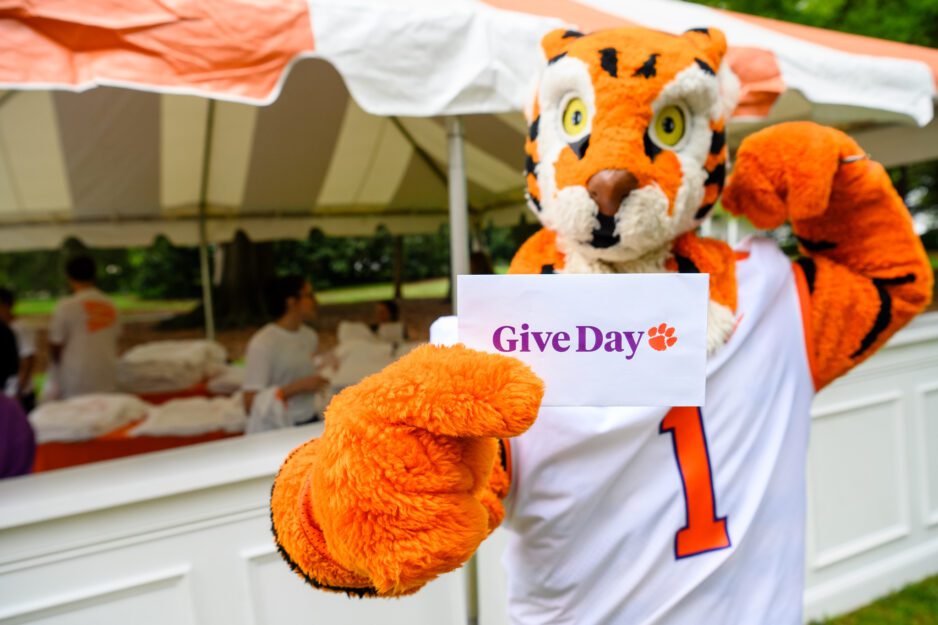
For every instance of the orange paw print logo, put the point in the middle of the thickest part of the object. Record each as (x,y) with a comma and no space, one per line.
(661,337)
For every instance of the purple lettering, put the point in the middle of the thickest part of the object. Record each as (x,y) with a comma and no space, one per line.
(561,342)
(613,342)
(497,339)
(633,342)
(524,338)
(597,338)
(542,339)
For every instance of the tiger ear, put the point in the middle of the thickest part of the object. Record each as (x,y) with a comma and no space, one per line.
(557,41)
(711,41)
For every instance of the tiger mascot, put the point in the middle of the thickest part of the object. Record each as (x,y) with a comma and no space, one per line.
(625,515)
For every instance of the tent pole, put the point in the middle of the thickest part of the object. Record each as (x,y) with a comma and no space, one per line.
(203,230)
(398,267)
(458,211)
(459,264)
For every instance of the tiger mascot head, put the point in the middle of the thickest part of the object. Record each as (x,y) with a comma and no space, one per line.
(626,147)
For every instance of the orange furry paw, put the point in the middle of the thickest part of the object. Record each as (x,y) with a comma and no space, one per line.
(403,482)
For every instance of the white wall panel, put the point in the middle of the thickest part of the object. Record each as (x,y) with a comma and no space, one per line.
(281,597)
(158,597)
(858,494)
(927,437)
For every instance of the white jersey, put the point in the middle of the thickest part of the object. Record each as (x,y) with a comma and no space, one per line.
(679,516)
(86,326)
(276,357)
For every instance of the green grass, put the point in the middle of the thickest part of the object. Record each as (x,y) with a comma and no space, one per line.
(128,303)
(125,303)
(436,287)
(913,605)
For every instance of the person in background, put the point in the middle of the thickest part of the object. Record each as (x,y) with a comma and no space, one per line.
(17,440)
(20,386)
(281,353)
(83,335)
(387,314)
(386,311)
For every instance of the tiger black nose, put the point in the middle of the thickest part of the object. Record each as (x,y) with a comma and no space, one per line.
(609,187)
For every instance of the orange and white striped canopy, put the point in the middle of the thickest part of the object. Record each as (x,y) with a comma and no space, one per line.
(352,136)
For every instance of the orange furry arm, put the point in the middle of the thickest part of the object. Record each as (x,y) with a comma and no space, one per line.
(866,271)
(406,480)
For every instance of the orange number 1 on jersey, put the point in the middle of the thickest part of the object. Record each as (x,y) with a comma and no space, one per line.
(703,531)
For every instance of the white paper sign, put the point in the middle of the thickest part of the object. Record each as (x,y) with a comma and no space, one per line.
(595,340)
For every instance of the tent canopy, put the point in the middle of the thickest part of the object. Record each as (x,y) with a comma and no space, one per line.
(353,134)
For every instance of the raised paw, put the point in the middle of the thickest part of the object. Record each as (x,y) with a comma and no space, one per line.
(661,337)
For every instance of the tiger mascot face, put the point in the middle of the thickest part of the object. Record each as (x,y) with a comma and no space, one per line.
(626,147)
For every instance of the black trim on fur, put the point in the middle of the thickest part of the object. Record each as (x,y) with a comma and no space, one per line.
(685,265)
(705,67)
(815,246)
(810,271)
(579,147)
(883,317)
(571,33)
(647,69)
(529,165)
(651,150)
(906,279)
(609,61)
(556,58)
(547,269)
(533,128)
(717,141)
(703,211)
(502,452)
(535,203)
(705,31)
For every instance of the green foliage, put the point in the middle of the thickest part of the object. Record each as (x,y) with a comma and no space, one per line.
(164,271)
(908,21)
(345,261)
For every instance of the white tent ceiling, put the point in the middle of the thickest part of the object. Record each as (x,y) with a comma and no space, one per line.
(117,166)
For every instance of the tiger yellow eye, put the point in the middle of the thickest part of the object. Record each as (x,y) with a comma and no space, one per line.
(575,117)
(669,125)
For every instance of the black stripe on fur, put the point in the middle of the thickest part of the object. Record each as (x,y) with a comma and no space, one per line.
(651,150)
(579,147)
(705,67)
(717,141)
(815,246)
(609,61)
(717,176)
(703,211)
(685,265)
(647,69)
(883,317)
(533,129)
(810,271)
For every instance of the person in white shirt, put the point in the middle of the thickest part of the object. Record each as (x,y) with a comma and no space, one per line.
(83,335)
(280,355)
(20,386)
